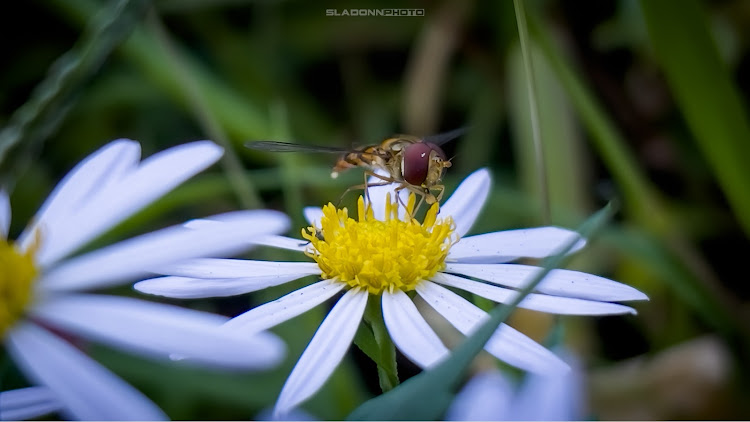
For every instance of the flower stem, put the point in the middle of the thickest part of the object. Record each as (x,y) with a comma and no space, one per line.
(373,339)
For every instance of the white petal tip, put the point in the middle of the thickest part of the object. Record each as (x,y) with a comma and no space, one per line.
(313,215)
(483,173)
(145,286)
(209,146)
(556,368)
(626,294)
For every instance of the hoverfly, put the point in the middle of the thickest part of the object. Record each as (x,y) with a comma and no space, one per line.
(413,163)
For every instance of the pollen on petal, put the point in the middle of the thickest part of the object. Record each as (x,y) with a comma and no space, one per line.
(380,255)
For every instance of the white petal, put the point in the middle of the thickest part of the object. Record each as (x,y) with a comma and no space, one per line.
(211,277)
(237,268)
(510,245)
(488,396)
(467,201)
(159,330)
(557,282)
(216,220)
(285,308)
(282,242)
(27,403)
(324,353)
(410,332)
(99,170)
(537,302)
(155,176)
(147,253)
(313,215)
(266,240)
(4,214)
(86,389)
(559,397)
(193,288)
(506,343)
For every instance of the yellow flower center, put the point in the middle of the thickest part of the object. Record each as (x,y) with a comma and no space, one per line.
(380,255)
(17,273)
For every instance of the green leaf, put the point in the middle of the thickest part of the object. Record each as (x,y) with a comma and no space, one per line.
(705,93)
(427,395)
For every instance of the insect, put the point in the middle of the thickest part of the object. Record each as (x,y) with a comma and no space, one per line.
(414,163)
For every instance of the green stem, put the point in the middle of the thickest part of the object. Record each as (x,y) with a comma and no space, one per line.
(373,339)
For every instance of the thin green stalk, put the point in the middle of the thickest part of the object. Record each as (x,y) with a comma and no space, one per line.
(242,186)
(373,339)
(523,36)
(388,375)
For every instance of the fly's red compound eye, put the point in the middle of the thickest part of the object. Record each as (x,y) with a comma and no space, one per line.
(416,162)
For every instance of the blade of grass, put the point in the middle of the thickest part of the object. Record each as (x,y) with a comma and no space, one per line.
(705,93)
(50,101)
(427,395)
(536,135)
(565,163)
(640,199)
(205,115)
(237,114)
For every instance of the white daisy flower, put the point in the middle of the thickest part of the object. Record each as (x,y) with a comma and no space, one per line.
(384,256)
(491,396)
(41,286)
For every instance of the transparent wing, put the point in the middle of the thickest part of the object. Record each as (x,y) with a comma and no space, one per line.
(275,146)
(438,139)
(445,137)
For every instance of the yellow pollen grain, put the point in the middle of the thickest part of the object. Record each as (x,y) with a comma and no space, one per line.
(380,255)
(17,273)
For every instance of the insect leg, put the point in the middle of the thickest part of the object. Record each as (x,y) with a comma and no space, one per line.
(397,191)
(364,187)
(441,188)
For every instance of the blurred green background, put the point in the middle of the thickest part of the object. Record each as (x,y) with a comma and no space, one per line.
(644,102)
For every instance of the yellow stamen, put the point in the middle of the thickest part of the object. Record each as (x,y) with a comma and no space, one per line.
(380,255)
(17,273)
